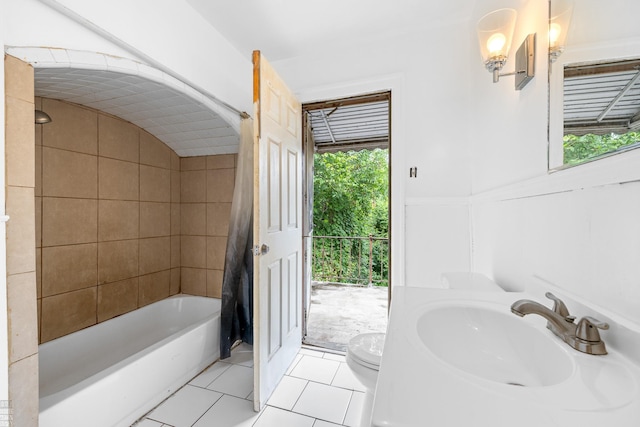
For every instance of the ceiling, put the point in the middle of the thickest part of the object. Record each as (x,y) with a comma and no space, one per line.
(287,28)
(602,98)
(192,123)
(187,121)
(350,124)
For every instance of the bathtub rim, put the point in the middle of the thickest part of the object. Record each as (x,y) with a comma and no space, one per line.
(49,400)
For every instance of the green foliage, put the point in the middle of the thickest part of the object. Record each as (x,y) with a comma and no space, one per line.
(351,193)
(578,149)
(351,199)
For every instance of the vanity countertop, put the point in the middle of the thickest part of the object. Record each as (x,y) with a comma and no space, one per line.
(416,388)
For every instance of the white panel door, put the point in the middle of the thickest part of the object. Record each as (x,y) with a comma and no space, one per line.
(277,229)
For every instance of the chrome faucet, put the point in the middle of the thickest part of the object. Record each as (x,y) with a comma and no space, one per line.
(583,337)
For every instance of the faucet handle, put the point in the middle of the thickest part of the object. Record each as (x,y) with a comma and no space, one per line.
(587,329)
(558,305)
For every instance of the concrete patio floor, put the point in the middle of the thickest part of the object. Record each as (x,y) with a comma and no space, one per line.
(339,312)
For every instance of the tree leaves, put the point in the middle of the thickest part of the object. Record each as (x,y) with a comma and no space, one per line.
(351,193)
(578,149)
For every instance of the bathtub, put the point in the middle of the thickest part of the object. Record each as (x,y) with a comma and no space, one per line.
(113,373)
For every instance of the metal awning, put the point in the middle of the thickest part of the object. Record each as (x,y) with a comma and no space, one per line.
(602,98)
(355,123)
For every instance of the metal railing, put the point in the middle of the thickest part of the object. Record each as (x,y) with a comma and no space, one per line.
(355,260)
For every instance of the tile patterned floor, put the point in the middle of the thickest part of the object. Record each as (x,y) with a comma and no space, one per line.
(317,391)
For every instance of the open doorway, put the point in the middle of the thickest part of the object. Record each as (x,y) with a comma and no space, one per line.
(346,220)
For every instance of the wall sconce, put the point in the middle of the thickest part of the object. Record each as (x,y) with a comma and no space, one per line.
(495,31)
(560,19)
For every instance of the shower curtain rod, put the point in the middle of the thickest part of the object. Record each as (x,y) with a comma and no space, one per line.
(131,49)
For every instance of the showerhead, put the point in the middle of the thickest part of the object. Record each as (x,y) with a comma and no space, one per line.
(42,117)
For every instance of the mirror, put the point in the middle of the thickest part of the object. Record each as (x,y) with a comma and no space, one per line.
(594,80)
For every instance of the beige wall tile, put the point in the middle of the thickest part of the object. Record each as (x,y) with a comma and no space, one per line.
(39,272)
(193,219)
(216,249)
(193,163)
(193,186)
(18,79)
(154,152)
(155,184)
(175,251)
(193,281)
(155,255)
(175,281)
(117,298)
(118,220)
(69,221)
(118,139)
(223,161)
(72,127)
(220,185)
(19,143)
(175,161)
(23,392)
(155,219)
(175,186)
(154,287)
(69,174)
(38,171)
(66,313)
(193,251)
(218,219)
(214,283)
(69,268)
(117,260)
(39,319)
(21,230)
(38,128)
(118,179)
(22,316)
(176,209)
(38,221)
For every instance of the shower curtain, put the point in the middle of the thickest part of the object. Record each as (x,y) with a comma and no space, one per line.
(237,283)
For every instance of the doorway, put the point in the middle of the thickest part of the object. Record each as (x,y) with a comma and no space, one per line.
(346,218)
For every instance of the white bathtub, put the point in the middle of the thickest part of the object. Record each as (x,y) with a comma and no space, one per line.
(114,372)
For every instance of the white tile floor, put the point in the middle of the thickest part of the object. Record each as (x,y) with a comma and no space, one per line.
(318,391)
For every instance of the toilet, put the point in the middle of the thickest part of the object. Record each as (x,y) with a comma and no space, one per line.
(364,352)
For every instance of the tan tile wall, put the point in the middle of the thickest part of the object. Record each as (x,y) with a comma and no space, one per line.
(21,231)
(206,195)
(107,208)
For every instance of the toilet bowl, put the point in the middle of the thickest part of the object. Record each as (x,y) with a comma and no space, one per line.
(364,352)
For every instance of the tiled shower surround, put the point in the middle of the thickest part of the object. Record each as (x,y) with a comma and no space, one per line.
(121,220)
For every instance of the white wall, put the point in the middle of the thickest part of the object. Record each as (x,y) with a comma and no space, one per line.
(427,72)
(576,228)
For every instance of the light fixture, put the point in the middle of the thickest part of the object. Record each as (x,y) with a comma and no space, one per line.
(42,117)
(495,31)
(560,18)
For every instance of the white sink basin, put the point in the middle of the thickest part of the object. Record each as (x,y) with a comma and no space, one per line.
(450,356)
(491,343)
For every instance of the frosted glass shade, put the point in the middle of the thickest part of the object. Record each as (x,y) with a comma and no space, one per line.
(561,13)
(495,31)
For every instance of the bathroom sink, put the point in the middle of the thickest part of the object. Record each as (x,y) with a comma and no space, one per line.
(489,342)
(458,357)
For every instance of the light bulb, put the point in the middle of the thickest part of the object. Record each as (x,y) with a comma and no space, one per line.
(495,44)
(554,33)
